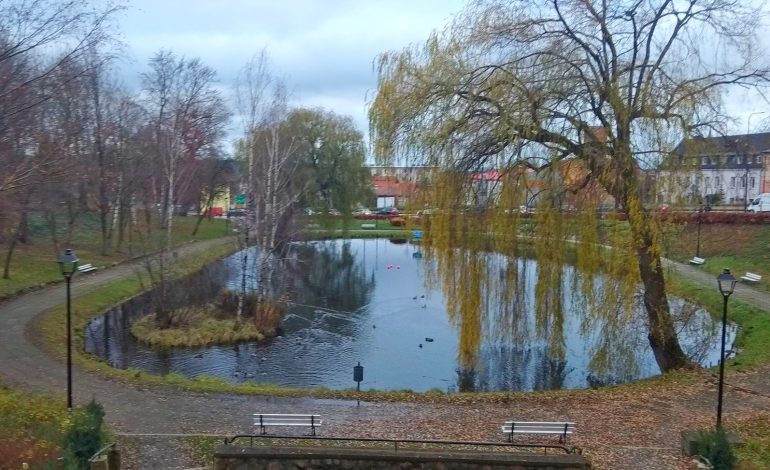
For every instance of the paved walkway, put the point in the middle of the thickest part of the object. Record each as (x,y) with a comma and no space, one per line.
(744,293)
(617,428)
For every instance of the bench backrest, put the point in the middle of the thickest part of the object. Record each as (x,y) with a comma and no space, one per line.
(263,419)
(538,427)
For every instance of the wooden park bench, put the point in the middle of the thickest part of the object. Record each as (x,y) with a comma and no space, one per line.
(751,277)
(698,261)
(561,429)
(264,420)
(86,268)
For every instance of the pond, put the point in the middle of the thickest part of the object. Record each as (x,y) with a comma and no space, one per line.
(372,301)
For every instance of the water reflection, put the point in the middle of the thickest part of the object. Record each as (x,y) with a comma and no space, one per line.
(375,302)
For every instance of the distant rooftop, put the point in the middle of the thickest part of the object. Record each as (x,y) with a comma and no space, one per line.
(725,145)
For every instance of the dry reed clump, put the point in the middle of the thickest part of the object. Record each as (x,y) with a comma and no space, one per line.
(215,323)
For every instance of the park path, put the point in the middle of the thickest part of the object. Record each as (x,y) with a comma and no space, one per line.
(619,429)
(743,292)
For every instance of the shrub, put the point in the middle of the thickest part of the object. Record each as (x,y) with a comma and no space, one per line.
(714,446)
(85,435)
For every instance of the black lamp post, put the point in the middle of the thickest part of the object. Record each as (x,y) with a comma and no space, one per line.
(68,263)
(726,283)
(700,221)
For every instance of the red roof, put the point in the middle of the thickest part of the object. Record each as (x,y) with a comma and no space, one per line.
(489,175)
(391,186)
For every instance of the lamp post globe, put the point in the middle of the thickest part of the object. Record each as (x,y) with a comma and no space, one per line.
(726,282)
(68,264)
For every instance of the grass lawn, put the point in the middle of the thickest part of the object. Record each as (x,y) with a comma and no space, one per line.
(34,263)
(31,428)
(739,247)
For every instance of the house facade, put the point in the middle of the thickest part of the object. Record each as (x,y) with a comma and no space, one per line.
(731,169)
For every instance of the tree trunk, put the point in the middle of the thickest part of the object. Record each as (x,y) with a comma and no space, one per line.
(244,268)
(72,219)
(51,219)
(14,242)
(204,209)
(662,335)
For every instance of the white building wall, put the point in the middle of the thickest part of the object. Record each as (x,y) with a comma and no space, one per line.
(684,184)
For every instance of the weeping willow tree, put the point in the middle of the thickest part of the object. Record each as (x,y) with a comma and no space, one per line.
(571,100)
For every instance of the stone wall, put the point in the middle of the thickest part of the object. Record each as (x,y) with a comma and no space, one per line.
(328,458)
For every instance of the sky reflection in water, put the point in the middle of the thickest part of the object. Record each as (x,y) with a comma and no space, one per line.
(366,300)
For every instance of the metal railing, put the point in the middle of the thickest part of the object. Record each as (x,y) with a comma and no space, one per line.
(105,458)
(402,442)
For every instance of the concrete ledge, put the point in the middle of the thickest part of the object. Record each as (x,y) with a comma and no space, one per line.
(275,458)
(689,438)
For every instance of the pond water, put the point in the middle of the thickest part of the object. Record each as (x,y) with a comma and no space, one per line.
(368,301)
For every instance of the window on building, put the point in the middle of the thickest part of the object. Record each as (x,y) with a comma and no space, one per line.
(752,182)
(743,181)
(716,181)
(732,182)
(708,181)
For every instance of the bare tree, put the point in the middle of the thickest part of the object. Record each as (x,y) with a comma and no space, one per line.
(272,157)
(188,116)
(600,82)
(42,46)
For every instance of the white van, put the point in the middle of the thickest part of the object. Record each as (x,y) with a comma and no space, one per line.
(760,203)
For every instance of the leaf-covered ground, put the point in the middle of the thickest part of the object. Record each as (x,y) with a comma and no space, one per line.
(629,427)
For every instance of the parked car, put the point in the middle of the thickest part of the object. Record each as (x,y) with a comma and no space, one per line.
(387,211)
(760,203)
(362,211)
(236,213)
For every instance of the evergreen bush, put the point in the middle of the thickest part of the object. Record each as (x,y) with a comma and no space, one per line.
(714,446)
(85,436)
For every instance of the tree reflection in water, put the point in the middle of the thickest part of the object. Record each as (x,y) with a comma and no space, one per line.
(372,301)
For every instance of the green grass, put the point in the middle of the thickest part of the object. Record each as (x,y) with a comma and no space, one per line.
(741,248)
(201,449)
(755,452)
(34,264)
(753,338)
(32,429)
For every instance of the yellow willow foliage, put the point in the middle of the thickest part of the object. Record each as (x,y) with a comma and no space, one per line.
(621,266)
(506,220)
(454,244)
(588,255)
(457,242)
(510,285)
(550,252)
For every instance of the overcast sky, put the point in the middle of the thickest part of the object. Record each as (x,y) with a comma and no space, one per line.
(323,49)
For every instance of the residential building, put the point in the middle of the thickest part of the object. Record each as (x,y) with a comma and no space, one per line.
(391,192)
(731,169)
(412,174)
